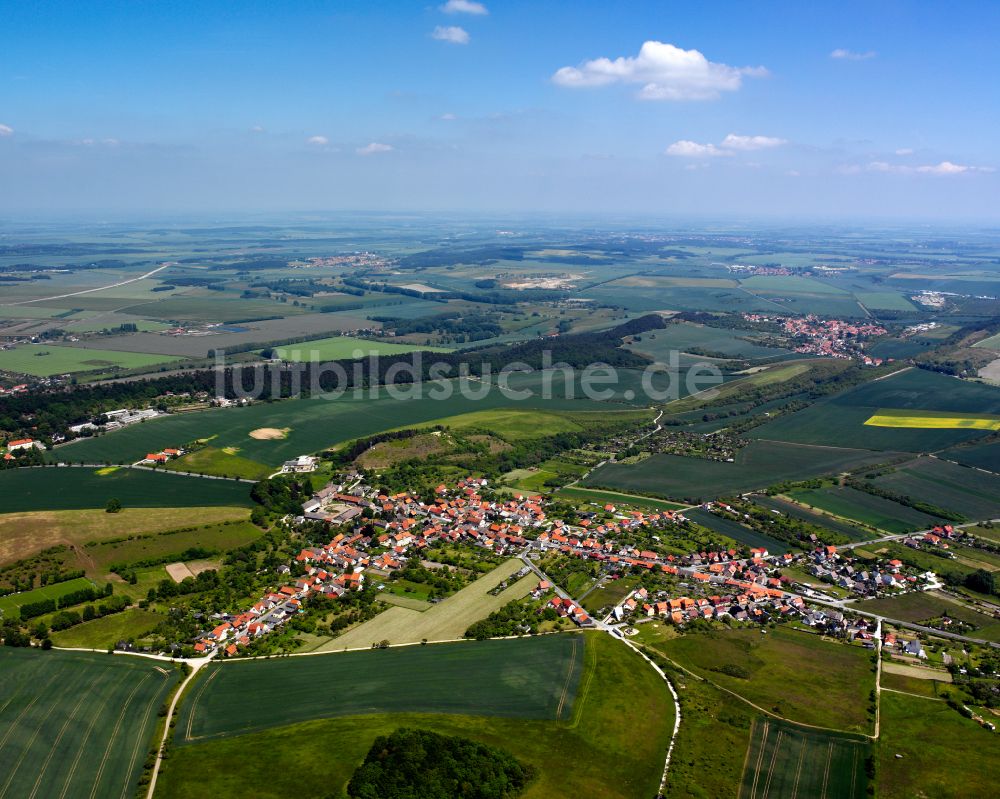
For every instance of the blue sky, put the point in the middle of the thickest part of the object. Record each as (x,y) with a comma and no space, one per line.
(887,109)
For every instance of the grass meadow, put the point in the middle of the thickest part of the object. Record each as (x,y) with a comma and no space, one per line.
(24,534)
(443,621)
(797,675)
(215,461)
(10,604)
(221,536)
(108,630)
(927,749)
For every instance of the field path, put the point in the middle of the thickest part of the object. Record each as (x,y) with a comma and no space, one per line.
(569,679)
(196,666)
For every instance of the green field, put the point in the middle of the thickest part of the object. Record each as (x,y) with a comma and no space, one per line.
(313,424)
(757,466)
(980,456)
(991,343)
(683,336)
(345,347)
(45,360)
(610,745)
(533,678)
(850,503)
(738,532)
(10,604)
(927,749)
(790,284)
(596,496)
(971,492)
(797,675)
(74,724)
(211,460)
(841,420)
(884,300)
(108,630)
(785,761)
(73,488)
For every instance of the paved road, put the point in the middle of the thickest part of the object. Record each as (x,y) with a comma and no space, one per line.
(90,291)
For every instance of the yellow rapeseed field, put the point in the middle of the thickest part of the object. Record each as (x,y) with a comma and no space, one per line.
(933,420)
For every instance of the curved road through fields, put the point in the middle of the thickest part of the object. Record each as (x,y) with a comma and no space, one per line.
(99,288)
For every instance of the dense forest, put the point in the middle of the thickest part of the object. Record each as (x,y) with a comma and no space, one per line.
(418,764)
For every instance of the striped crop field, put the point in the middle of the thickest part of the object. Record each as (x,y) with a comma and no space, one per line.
(786,761)
(75,724)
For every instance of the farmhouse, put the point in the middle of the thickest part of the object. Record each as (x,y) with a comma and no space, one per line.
(299,465)
(24,444)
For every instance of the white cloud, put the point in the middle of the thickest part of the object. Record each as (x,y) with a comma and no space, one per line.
(843,54)
(374,148)
(320,140)
(97,142)
(666,72)
(736,142)
(943,168)
(692,149)
(450,33)
(257,129)
(6,130)
(904,151)
(464,7)
(732,144)
(448,117)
